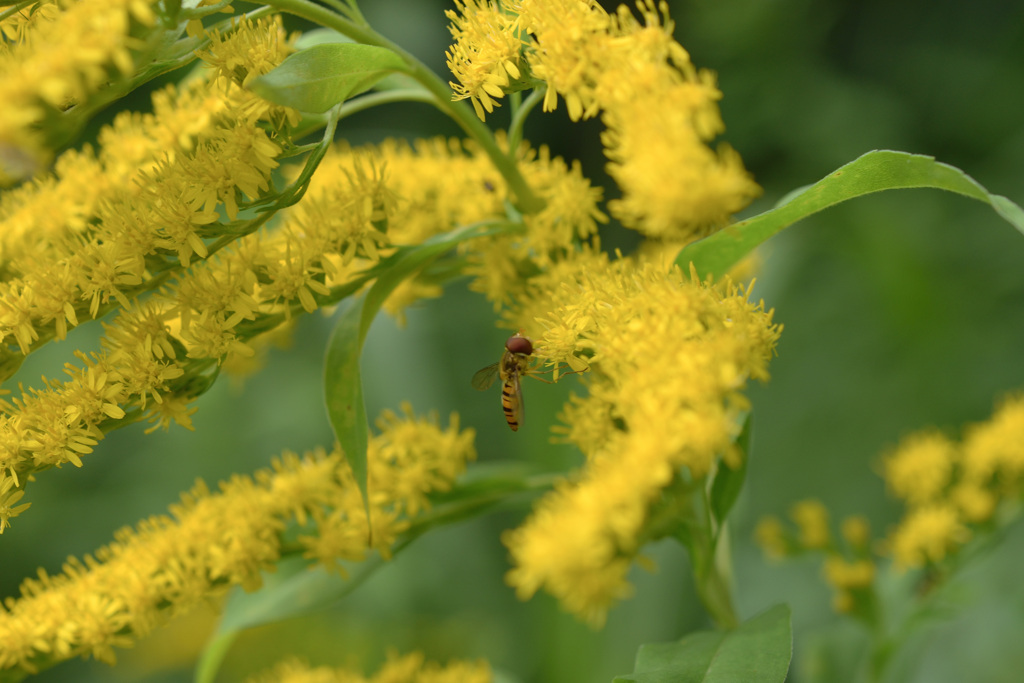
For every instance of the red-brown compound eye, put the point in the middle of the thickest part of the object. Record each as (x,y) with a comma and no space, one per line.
(517,344)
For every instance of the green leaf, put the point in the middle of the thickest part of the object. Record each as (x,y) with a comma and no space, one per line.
(758,651)
(319,36)
(872,172)
(343,386)
(728,481)
(326,74)
(343,389)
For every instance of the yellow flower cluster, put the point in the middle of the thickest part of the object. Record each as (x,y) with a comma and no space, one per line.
(410,668)
(360,205)
(484,68)
(502,265)
(848,567)
(107,226)
(949,486)
(56,54)
(950,489)
(668,360)
(660,111)
(212,541)
(811,519)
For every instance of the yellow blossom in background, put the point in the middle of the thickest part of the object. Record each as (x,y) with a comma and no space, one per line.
(668,358)
(408,293)
(410,668)
(925,535)
(811,519)
(976,503)
(212,541)
(993,451)
(771,537)
(847,577)
(856,531)
(920,467)
(951,491)
(949,486)
(850,571)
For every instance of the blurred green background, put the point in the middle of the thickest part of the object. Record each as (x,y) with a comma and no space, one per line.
(901,310)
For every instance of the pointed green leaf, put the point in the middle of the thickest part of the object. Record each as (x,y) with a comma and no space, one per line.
(728,481)
(759,651)
(343,389)
(319,77)
(872,172)
(319,36)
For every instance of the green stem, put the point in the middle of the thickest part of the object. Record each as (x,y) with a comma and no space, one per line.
(515,129)
(364,102)
(686,515)
(463,115)
(715,589)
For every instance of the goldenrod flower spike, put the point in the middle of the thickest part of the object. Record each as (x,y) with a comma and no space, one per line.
(149,197)
(668,358)
(59,54)
(211,541)
(920,469)
(322,244)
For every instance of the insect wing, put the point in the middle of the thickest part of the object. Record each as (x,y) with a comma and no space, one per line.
(512,402)
(485,377)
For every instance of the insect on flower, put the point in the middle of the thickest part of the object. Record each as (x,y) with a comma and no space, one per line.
(514,364)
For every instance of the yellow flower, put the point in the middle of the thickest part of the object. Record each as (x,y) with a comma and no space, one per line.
(65,52)
(811,519)
(211,541)
(975,502)
(995,448)
(925,535)
(88,235)
(485,57)
(844,574)
(668,358)
(770,535)
(660,112)
(856,532)
(920,468)
(848,579)
(8,497)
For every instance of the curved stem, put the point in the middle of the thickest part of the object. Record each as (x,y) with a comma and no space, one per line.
(374,99)
(515,129)
(712,565)
(686,515)
(715,587)
(525,199)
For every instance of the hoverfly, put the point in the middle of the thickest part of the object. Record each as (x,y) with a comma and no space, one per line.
(513,364)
